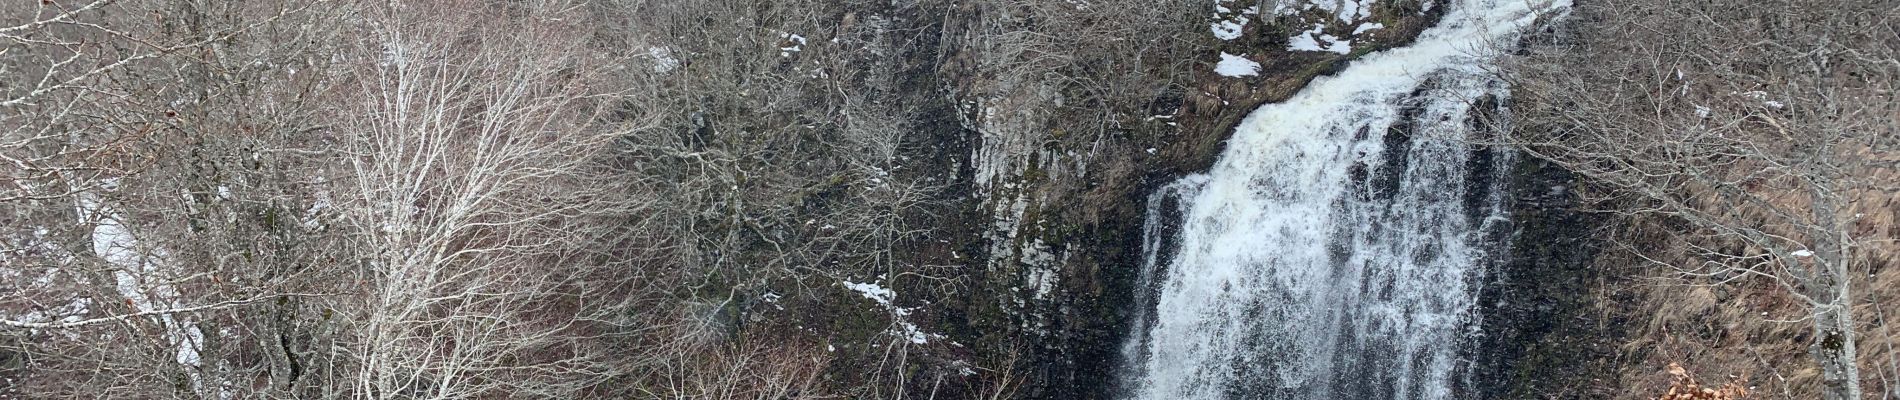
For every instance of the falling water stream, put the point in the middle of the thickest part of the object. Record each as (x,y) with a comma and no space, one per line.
(1335,249)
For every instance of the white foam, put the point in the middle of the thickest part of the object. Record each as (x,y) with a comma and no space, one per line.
(1290,277)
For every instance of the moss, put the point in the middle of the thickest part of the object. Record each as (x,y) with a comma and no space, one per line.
(1833,342)
(1033,174)
(271,219)
(1063,233)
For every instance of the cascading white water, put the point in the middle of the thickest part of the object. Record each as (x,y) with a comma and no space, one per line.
(1333,250)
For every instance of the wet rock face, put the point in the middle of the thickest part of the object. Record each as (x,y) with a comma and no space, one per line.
(1540,335)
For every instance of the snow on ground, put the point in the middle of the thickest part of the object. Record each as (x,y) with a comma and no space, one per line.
(911,333)
(872,291)
(1353,13)
(1236,66)
(1317,40)
(1229,23)
(1229,29)
(74,311)
(1757,95)
(790,43)
(141,278)
(883,296)
(773,298)
(39,279)
(1367,27)
(1346,10)
(663,61)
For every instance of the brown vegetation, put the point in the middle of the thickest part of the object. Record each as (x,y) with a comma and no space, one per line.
(1685,387)
(549,198)
(1746,145)
(398,199)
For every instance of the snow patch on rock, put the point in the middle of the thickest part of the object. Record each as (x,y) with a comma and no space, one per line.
(1317,40)
(790,43)
(901,327)
(663,61)
(1236,66)
(1229,23)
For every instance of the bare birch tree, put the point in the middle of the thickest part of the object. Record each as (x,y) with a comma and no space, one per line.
(1768,127)
(474,186)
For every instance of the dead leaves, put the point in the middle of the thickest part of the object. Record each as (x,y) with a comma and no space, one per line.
(1686,388)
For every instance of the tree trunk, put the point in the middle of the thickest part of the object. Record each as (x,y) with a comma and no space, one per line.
(1833,348)
(1833,345)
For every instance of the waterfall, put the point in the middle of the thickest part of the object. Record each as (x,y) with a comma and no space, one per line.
(1334,250)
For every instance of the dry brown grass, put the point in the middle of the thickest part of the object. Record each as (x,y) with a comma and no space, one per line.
(1750,327)
(1720,194)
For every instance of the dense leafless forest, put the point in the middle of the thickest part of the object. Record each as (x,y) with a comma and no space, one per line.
(815,199)
(456,199)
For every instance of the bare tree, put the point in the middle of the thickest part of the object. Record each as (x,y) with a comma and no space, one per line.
(1768,127)
(472,181)
(303,193)
(391,199)
(153,217)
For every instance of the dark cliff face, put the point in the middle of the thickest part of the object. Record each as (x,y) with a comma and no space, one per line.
(1540,337)
(1542,330)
